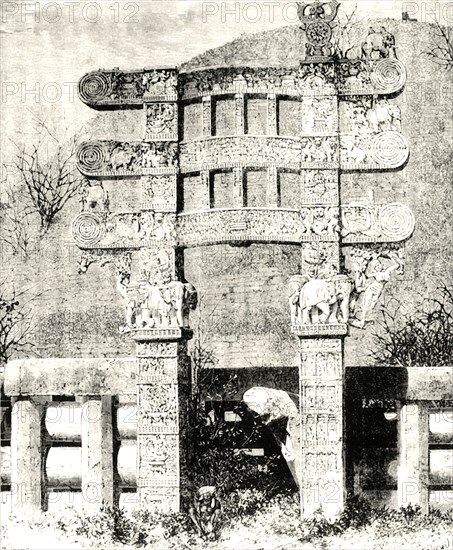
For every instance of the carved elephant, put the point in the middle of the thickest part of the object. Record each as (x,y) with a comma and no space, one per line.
(384,117)
(120,159)
(324,300)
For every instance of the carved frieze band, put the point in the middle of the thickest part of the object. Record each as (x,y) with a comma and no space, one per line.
(159,193)
(235,151)
(125,230)
(357,77)
(114,158)
(158,406)
(159,460)
(258,224)
(383,150)
(161,122)
(354,77)
(157,370)
(107,88)
(361,222)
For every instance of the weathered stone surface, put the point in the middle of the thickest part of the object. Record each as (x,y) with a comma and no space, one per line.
(422,383)
(97,453)
(413,464)
(27,457)
(75,376)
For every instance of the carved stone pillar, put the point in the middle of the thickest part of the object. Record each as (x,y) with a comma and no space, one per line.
(322,463)
(207,116)
(272,124)
(238,187)
(97,453)
(413,447)
(239,106)
(27,488)
(163,392)
(205,193)
(272,187)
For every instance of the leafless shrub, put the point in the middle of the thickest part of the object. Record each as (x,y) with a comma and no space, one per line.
(16,320)
(47,167)
(424,339)
(349,35)
(442,50)
(18,224)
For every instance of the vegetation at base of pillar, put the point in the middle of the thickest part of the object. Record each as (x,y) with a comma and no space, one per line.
(276,523)
(47,173)
(243,483)
(420,339)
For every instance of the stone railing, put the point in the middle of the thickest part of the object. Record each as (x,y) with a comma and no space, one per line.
(59,445)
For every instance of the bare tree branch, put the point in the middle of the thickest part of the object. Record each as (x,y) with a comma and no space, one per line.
(48,169)
(442,51)
(16,320)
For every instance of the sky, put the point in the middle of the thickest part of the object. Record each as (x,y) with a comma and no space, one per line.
(47,46)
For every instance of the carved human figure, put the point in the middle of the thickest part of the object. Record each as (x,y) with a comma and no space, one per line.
(305,219)
(179,297)
(94,197)
(206,512)
(359,219)
(133,297)
(122,157)
(295,284)
(333,227)
(351,152)
(376,279)
(319,224)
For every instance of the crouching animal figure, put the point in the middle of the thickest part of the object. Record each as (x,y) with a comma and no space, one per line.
(321,300)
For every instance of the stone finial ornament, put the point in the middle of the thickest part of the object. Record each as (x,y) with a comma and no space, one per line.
(316,19)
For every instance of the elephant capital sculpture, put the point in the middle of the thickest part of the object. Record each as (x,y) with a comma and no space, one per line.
(319,301)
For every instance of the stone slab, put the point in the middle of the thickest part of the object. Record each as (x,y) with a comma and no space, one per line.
(71,376)
(411,383)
